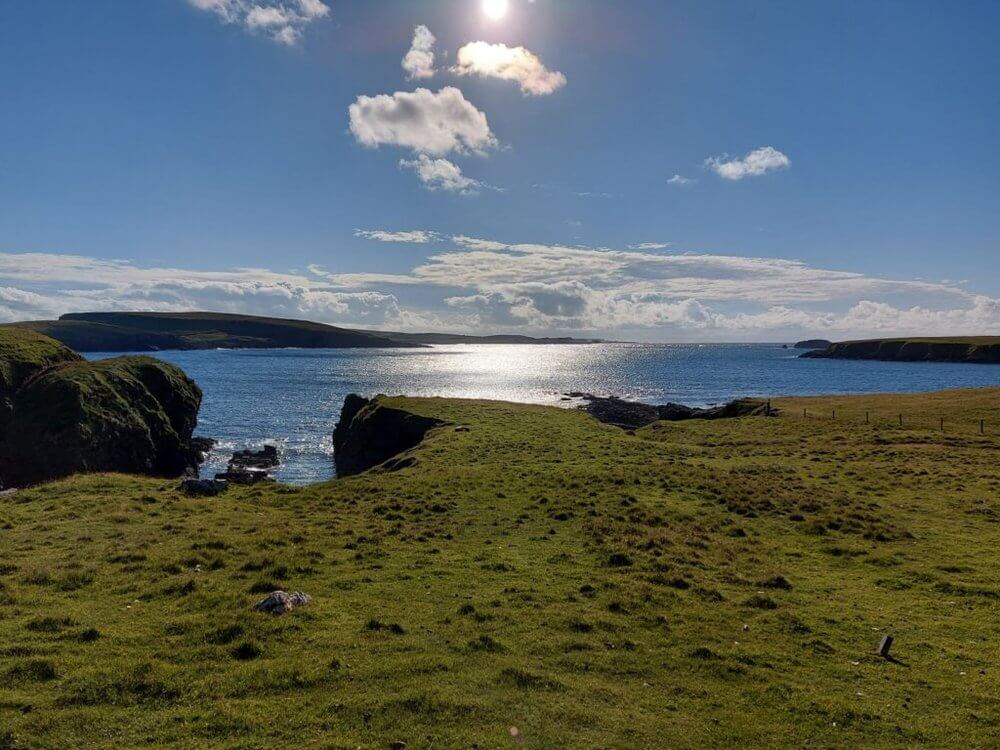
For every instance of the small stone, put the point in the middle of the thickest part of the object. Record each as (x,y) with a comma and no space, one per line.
(280,602)
(516,735)
(397,745)
(462,428)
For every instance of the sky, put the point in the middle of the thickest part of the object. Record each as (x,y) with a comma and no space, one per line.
(656,170)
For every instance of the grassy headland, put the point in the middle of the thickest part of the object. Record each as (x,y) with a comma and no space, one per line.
(697,584)
(976,349)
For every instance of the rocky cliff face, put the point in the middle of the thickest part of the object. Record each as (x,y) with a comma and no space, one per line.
(370,433)
(65,415)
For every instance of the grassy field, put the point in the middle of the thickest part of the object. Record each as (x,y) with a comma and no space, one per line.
(540,580)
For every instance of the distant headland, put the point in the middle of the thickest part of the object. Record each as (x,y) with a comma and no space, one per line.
(973,349)
(150,331)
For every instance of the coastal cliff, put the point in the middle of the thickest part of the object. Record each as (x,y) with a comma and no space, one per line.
(369,433)
(973,349)
(62,415)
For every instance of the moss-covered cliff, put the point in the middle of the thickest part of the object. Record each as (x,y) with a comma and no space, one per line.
(63,415)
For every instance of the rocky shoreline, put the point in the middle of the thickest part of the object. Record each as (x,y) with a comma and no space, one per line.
(631,415)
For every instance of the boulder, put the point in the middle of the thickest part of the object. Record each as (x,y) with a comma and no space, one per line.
(251,467)
(265,458)
(369,433)
(280,602)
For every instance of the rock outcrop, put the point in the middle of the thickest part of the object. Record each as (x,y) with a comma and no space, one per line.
(631,415)
(974,349)
(369,434)
(251,467)
(64,415)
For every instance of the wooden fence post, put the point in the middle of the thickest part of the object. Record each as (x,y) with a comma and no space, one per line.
(942,424)
(866,418)
(900,420)
(982,425)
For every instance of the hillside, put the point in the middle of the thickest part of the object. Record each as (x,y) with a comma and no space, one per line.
(140,331)
(975,349)
(536,576)
(89,332)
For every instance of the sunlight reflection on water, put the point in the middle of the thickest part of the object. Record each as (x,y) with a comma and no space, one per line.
(292,397)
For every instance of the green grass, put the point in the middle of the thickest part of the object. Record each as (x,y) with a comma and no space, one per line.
(698,584)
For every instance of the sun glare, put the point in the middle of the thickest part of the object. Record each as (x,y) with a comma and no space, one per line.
(495,9)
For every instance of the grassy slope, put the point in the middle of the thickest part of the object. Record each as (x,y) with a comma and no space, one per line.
(124,603)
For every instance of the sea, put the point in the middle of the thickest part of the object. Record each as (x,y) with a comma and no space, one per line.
(292,397)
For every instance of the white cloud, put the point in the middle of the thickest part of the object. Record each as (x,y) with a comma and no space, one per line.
(678,179)
(482,284)
(441,174)
(282,21)
(416,236)
(758,162)
(546,288)
(419,61)
(424,121)
(510,64)
(650,246)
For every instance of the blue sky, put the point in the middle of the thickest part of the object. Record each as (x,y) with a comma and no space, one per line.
(836,164)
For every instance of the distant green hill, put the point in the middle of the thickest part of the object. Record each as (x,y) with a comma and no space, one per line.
(975,349)
(147,331)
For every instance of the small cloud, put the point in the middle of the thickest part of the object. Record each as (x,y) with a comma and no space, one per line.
(419,61)
(509,64)
(758,162)
(679,179)
(413,237)
(441,174)
(590,194)
(284,22)
(650,246)
(435,123)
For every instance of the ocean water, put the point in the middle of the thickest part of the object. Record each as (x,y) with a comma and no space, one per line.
(292,397)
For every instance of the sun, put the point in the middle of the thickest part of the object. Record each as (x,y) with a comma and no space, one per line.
(495,9)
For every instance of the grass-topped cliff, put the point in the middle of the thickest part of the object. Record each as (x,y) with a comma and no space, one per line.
(698,584)
(147,331)
(975,349)
(60,415)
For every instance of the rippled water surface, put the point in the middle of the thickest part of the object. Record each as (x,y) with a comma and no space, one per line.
(292,397)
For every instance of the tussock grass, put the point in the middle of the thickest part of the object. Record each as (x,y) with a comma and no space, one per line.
(697,584)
